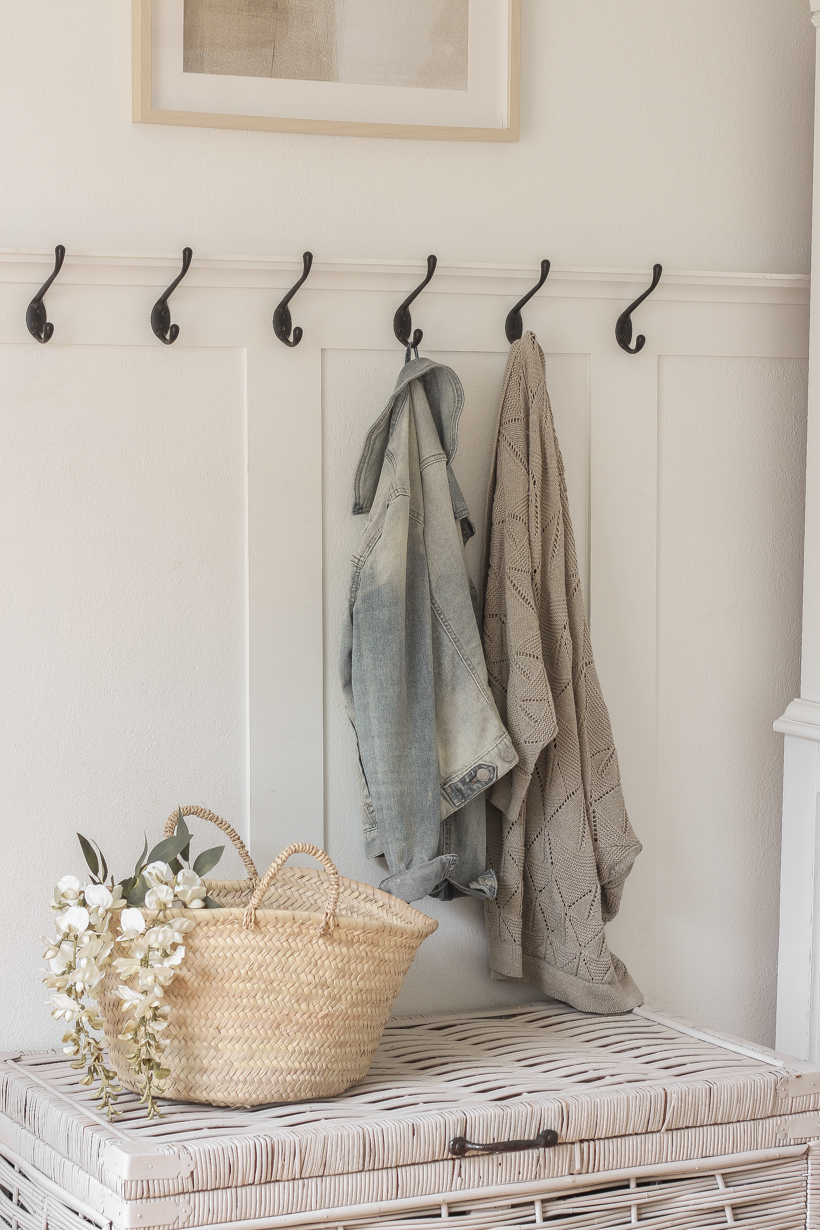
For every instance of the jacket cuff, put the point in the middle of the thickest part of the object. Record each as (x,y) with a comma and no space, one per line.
(419,881)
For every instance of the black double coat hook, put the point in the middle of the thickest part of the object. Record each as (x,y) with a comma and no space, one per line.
(623,326)
(36,321)
(402,324)
(282,323)
(514,325)
(161,313)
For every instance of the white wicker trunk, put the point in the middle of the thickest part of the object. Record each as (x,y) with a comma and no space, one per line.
(657,1122)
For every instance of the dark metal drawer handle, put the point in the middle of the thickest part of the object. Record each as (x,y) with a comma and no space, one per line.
(460,1146)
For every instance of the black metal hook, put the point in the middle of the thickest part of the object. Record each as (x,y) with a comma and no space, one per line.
(282,322)
(514,325)
(402,324)
(38,325)
(161,313)
(623,326)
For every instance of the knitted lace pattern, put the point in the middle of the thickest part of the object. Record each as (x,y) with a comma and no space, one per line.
(560,841)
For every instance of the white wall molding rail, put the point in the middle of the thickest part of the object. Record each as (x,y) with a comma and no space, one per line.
(801,720)
(236,272)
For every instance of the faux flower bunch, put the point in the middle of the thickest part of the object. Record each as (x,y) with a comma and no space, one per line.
(140,915)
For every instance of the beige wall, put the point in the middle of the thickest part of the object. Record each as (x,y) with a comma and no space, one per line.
(651,130)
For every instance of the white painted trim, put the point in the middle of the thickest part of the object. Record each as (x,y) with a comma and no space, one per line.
(798,975)
(728,1042)
(797,959)
(801,720)
(234,273)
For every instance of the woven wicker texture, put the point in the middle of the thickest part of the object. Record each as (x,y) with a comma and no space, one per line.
(765,1191)
(285,992)
(622,1092)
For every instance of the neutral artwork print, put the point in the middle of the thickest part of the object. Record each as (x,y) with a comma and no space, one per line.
(416,43)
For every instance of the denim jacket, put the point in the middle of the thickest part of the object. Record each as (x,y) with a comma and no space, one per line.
(415,682)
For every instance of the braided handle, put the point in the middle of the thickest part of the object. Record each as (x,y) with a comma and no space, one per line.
(204,814)
(333,887)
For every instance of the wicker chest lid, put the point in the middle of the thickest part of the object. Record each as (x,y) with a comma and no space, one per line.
(490,1076)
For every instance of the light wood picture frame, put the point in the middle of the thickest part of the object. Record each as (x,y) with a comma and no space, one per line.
(149,70)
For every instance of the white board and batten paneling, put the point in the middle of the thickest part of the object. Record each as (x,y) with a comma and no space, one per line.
(176,535)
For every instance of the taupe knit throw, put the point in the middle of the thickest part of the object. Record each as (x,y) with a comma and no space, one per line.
(559,838)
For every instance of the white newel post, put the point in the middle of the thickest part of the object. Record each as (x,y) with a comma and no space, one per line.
(798,989)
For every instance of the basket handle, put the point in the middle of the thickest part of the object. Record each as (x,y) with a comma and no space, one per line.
(204,814)
(333,888)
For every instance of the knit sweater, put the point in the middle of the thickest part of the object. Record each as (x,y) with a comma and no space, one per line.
(560,841)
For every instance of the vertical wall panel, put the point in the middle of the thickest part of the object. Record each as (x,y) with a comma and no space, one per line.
(731,448)
(122,620)
(285,598)
(623,618)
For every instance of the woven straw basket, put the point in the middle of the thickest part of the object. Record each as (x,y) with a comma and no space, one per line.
(284,992)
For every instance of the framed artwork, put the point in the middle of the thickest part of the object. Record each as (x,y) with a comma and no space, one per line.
(443,70)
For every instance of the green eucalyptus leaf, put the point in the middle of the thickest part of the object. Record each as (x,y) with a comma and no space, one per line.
(175,865)
(184,831)
(137,894)
(142,860)
(103,864)
(90,856)
(210,904)
(208,859)
(169,848)
(127,885)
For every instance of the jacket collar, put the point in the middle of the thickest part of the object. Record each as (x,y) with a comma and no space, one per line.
(445,397)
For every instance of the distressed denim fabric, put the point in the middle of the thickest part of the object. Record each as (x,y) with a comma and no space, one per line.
(429,736)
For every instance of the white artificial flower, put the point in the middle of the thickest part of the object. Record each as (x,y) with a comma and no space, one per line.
(98,897)
(127,967)
(64,1006)
(158,873)
(95,947)
(160,937)
(153,977)
(86,976)
(192,897)
(129,998)
(188,879)
(176,957)
(190,889)
(62,959)
(132,922)
(159,897)
(140,1005)
(75,919)
(68,889)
